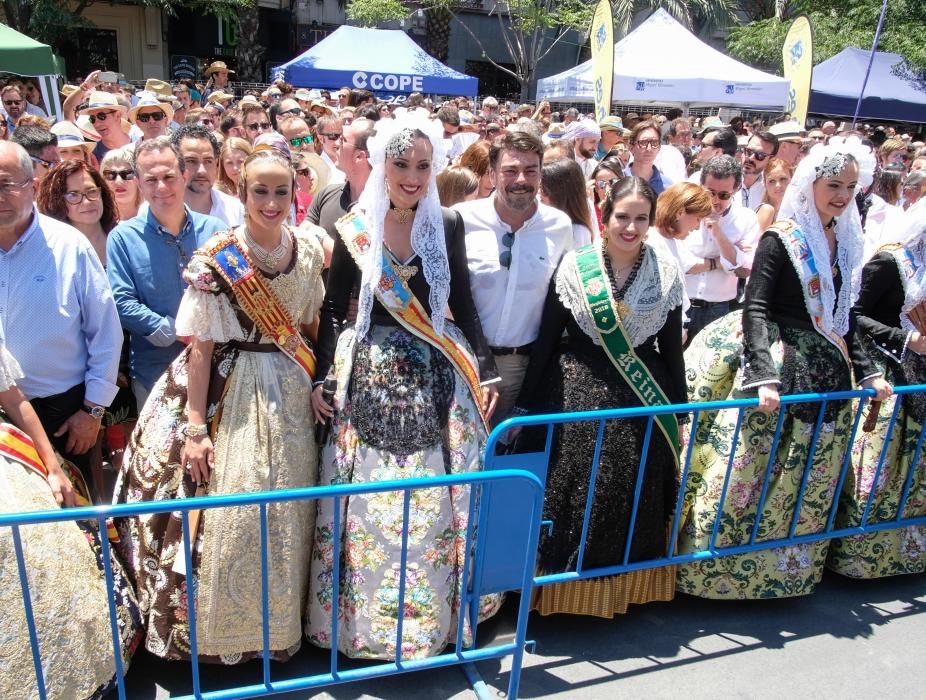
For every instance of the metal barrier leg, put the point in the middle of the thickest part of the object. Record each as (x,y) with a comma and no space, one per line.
(30,616)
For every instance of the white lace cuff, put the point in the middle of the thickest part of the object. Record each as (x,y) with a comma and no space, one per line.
(207,316)
(10,370)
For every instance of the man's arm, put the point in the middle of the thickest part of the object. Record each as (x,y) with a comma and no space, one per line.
(102,332)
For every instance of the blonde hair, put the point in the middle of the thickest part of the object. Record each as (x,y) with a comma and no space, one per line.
(232,143)
(681,198)
(777,164)
(456,183)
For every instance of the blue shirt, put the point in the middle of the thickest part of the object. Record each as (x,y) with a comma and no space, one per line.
(145,263)
(58,314)
(657,180)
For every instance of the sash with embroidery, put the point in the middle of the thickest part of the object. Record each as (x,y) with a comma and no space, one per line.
(402,304)
(606,315)
(260,302)
(806,267)
(908,269)
(18,447)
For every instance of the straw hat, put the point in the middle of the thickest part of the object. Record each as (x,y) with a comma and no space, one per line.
(611,123)
(158,88)
(787,131)
(322,173)
(151,102)
(248,99)
(217,67)
(69,136)
(87,130)
(102,102)
(67,90)
(322,106)
(220,97)
(711,124)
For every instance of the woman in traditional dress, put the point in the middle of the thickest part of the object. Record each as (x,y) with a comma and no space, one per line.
(631,358)
(400,407)
(796,335)
(64,563)
(232,415)
(891,311)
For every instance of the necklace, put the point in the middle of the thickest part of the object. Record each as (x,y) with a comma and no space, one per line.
(403,214)
(270,259)
(618,292)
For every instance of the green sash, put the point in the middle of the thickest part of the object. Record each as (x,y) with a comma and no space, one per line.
(604,311)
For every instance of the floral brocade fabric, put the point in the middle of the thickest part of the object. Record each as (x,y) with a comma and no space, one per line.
(805,362)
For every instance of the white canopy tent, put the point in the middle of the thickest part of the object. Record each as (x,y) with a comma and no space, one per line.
(661,62)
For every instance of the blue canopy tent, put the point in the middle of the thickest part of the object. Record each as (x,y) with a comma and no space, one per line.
(384,61)
(837,83)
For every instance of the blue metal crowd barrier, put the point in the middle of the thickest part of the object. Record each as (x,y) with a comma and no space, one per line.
(525,505)
(538,462)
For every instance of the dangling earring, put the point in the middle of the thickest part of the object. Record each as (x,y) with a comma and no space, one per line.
(605,240)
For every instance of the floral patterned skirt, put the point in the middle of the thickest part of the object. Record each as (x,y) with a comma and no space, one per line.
(64,563)
(402,412)
(806,362)
(896,551)
(264,440)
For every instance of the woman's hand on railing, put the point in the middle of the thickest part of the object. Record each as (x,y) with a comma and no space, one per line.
(881,387)
(768,398)
(198,458)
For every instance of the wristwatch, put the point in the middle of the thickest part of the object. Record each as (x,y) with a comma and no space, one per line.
(190,430)
(96,411)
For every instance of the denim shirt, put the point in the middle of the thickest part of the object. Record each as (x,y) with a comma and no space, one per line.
(145,264)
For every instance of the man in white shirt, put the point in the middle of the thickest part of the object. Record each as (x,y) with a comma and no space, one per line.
(200,152)
(724,245)
(759,150)
(513,245)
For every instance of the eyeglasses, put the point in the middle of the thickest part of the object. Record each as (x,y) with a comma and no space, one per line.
(648,145)
(722,196)
(113,175)
(41,161)
(753,153)
(332,136)
(14,188)
(299,140)
(259,126)
(148,116)
(504,257)
(75,198)
(100,117)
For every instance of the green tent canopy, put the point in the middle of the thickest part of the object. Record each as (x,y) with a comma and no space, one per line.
(24,56)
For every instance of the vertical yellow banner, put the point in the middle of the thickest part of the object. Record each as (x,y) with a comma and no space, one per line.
(798,62)
(602,38)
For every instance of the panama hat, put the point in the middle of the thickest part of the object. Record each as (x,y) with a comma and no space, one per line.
(69,135)
(102,101)
(158,88)
(220,97)
(218,67)
(151,102)
(787,131)
(322,173)
(87,130)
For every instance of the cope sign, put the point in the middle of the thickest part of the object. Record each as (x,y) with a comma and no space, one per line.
(379,81)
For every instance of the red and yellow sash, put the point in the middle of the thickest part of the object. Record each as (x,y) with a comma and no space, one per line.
(394,294)
(260,302)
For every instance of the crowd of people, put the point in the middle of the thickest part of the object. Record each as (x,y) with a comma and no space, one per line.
(297,288)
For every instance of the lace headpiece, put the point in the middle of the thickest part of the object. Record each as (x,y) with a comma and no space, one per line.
(798,206)
(392,138)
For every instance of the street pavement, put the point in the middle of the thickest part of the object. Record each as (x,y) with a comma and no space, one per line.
(850,639)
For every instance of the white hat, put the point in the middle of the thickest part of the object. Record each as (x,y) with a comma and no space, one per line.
(69,136)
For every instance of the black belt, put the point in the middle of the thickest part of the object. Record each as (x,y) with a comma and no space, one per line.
(253,347)
(701,304)
(523,350)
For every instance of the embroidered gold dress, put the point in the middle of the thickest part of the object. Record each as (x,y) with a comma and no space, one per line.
(263,432)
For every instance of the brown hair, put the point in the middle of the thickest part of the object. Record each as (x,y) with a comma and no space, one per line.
(225,182)
(50,199)
(680,198)
(642,126)
(476,157)
(515,141)
(563,184)
(455,184)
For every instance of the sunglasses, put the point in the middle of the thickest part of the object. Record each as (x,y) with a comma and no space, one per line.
(113,175)
(722,196)
(100,117)
(504,257)
(262,126)
(41,161)
(295,111)
(148,116)
(12,103)
(75,198)
(299,140)
(604,184)
(758,155)
(333,136)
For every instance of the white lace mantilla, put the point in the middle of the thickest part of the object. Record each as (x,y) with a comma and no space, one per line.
(656,290)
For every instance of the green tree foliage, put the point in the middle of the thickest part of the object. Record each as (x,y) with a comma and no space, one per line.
(836,25)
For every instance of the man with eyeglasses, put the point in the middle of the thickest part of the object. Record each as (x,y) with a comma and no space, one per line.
(59,320)
(759,150)
(513,246)
(200,152)
(329,130)
(255,121)
(151,117)
(105,113)
(42,147)
(723,246)
(146,256)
